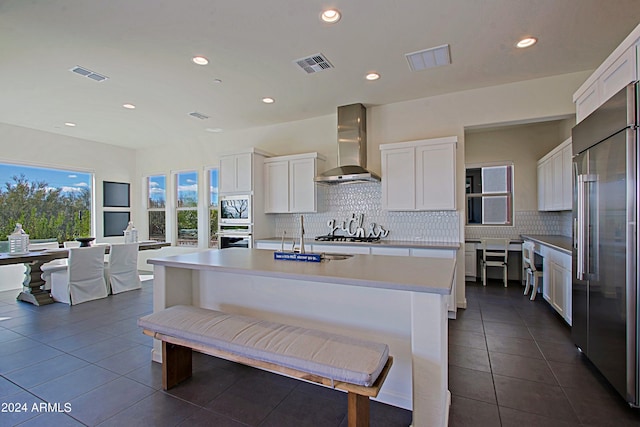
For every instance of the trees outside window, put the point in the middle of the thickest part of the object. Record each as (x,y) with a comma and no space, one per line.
(51,204)
(187,208)
(156,207)
(213,208)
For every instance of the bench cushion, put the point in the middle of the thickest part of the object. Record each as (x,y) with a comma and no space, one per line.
(337,357)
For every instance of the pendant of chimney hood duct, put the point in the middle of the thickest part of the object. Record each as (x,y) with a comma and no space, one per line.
(352,148)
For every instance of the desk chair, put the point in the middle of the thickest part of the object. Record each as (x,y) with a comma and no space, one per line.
(533,272)
(123,268)
(494,254)
(83,280)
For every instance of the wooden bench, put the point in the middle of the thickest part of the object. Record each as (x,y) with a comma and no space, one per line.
(356,366)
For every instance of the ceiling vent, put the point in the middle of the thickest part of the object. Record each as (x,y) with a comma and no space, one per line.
(429,58)
(199,115)
(313,63)
(88,73)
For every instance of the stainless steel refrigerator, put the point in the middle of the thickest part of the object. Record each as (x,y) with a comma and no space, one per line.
(605,240)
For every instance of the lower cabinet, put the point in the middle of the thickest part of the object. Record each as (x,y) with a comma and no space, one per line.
(556,281)
(470,261)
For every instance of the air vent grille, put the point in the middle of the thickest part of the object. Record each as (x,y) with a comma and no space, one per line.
(199,115)
(88,73)
(314,63)
(429,58)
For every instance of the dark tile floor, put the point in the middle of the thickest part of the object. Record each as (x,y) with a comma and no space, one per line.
(511,364)
(92,361)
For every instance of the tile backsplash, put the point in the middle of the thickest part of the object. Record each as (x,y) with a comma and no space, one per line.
(342,200)
(525,222)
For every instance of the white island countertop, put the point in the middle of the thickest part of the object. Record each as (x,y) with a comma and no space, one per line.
(430,275)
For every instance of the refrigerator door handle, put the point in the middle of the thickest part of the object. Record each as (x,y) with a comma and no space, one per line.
(580,226)
(583,226)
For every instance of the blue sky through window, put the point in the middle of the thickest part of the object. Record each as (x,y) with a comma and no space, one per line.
(67,181)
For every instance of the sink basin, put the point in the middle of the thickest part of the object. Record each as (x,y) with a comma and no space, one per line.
(336,257)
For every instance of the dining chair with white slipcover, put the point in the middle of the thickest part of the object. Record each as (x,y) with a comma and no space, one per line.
(123,267)
(71,244)
(51,266)
(83,280)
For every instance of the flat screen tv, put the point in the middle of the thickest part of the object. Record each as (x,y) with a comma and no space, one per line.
(115,194)
(115,223)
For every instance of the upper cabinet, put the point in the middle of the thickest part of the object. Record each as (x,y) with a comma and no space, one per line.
(617,71)
(289,185)
(419,175)
(239,171)
(555,186)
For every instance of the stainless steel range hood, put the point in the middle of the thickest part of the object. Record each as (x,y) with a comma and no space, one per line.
(352,148)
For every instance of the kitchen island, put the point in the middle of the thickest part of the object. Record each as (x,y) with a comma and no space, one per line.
(400,301)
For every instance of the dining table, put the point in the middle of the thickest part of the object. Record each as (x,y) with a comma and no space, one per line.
(33,285)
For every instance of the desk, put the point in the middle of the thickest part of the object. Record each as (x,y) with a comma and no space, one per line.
(33,261)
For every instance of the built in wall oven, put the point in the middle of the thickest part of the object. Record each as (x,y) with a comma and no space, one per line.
(235,236)
(235,209)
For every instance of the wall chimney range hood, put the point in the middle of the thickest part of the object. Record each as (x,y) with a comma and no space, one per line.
(352,148)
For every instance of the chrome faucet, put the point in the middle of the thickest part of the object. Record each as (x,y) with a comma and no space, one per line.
(302,234)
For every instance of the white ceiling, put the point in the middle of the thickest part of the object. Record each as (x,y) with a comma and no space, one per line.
(145,48)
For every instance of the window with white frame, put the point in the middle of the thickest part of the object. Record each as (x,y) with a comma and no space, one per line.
(187,208)
(51,204)
(490,195)
(156,207)
(213,207)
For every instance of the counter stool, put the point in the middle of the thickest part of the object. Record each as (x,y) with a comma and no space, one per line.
(532,271)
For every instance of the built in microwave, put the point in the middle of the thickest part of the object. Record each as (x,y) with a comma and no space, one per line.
(235,209)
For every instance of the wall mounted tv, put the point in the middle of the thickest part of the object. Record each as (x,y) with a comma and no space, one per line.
(115,223)
(115,194)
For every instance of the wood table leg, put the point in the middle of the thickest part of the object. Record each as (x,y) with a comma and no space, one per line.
(34,291)
(358,410)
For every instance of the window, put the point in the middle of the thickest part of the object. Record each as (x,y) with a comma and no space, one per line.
(213,208)
(490,195)
(156,207)
(51,204)
(187,208)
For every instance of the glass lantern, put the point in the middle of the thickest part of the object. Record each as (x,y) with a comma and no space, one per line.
(18,241)
(131,233)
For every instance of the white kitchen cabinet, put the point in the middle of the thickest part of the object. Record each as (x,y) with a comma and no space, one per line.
(341,249)
(272,246)
(555,179)
(556,280)
(419,175)
(618,70)
(470,261)
(236,173)
(289,183)
(377,250)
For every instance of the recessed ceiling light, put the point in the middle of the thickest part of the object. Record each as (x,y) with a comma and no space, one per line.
(268,100)
(526,42)
(372,76)
(214,130)
(70,124)
(200,60)
(129,106)
(331,16)
(216,81)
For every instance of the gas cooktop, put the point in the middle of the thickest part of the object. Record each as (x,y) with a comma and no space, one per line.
(334,238)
